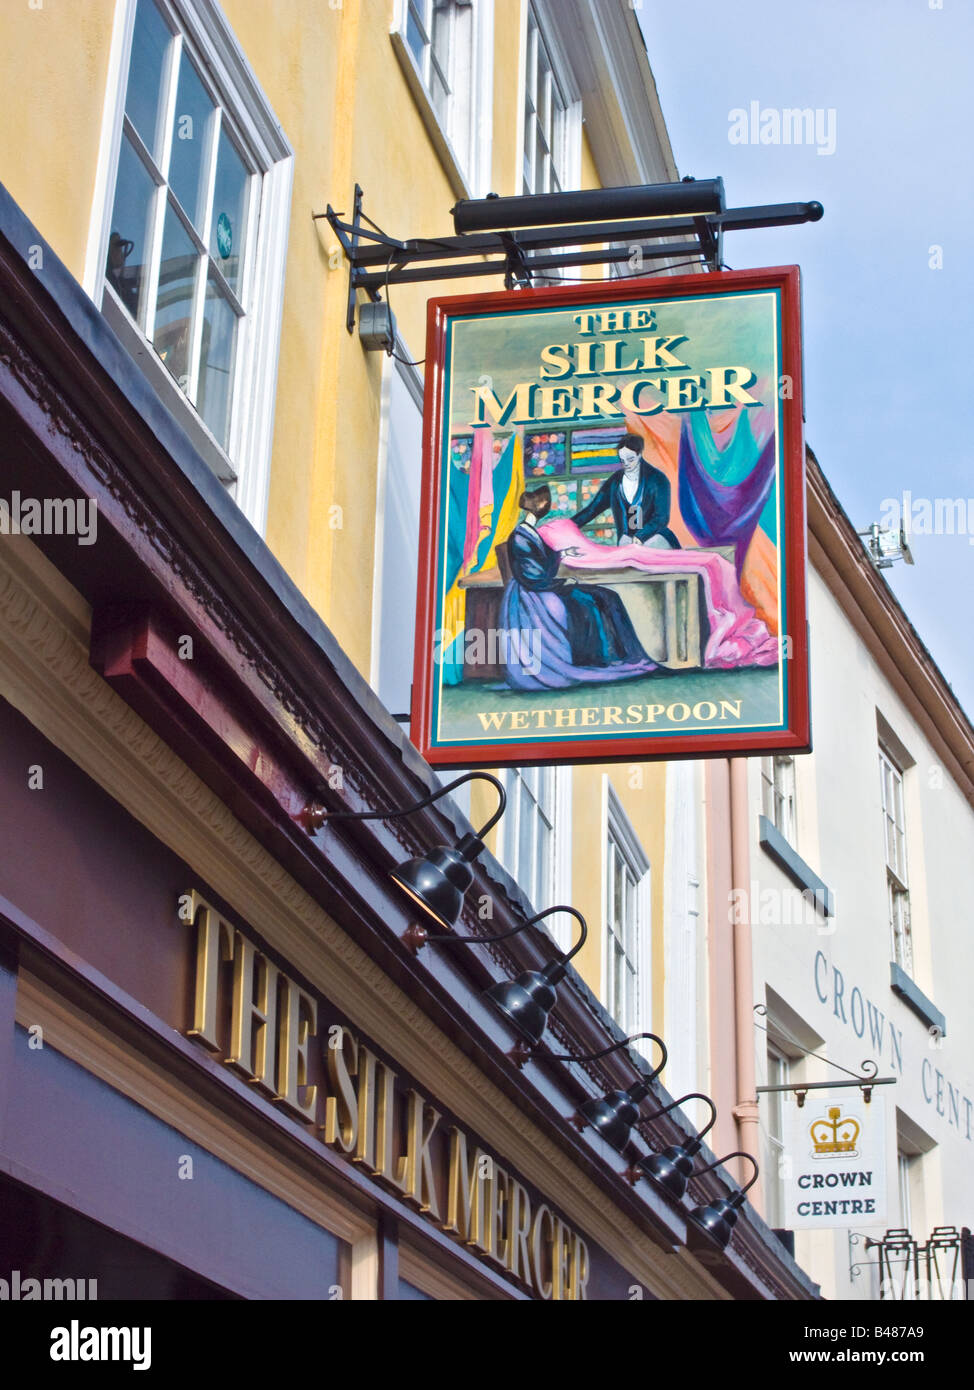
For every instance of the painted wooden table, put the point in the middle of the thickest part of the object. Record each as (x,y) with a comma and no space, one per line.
(666,608)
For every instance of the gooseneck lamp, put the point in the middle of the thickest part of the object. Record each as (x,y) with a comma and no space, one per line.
(527,1001)
(416,937)
(437,880)
(614,1114)
(671,1169)
(717,1219)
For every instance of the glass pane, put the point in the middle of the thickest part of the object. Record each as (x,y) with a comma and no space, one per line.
(530,67)
(525,845)
(619,891)
(174,306)
(441,32)
(903,1167)
(229,222)
(616,980)
(540,165)
(776,1077)
(906,940)
(528,151)
(150,45)
(544,861)
(216,360)
(439,92)
(544,103)
(190,131)
(126,269)
(414,35)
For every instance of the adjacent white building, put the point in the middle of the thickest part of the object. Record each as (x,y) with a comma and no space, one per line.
(874,963)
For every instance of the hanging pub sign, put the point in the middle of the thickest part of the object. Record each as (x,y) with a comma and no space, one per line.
(833,1163)
(612,552)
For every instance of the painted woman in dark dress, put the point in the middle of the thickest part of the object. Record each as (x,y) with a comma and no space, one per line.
(561,633)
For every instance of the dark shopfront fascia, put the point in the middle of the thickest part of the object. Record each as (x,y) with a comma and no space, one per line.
(165,777)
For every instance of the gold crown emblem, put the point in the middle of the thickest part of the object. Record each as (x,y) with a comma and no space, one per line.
(834,1135)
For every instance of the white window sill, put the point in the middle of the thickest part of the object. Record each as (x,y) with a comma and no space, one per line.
(159,377)
(439,137)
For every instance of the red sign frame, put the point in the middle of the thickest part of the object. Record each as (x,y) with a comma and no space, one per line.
(793,733)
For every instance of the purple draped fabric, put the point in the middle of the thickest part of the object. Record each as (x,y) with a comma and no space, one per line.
(721,513)
(539,646)
(560,633)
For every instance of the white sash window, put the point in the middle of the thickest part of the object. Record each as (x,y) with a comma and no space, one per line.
(186,257)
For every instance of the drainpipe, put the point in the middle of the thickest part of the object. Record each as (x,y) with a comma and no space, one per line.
(746,1108)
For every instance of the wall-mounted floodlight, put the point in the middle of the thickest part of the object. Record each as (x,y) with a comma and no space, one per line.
(437,880)
(694,198)
(614,1114)
(672,1168)
(717,1219)
(885,546)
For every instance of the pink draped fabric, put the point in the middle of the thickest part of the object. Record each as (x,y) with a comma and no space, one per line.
(737,636)
(480,498)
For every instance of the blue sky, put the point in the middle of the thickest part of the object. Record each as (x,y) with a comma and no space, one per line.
(888,349)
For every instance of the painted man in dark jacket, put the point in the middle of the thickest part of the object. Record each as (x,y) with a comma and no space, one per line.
(638,495)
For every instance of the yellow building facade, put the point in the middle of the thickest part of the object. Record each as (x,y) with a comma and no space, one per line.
(316,98)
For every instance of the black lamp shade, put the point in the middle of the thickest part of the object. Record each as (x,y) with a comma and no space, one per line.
(437,882)
(526,1001)
(717,1219)
(670,1169)
(613,1115)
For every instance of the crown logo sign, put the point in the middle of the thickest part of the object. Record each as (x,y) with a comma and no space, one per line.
(834,1136)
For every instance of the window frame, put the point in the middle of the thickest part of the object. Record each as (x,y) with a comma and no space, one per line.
(562,135)
(779,795)
(619,836)
(904,1185)
(402,368)
(554,883)
(779,1065)
(564,140)
(202,31)
(684,916)
(429,60)
(465,155)
(892,775)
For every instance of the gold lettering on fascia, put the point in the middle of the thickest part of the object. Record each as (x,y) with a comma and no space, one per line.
(368,1114)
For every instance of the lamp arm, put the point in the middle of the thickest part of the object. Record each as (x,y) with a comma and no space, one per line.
(314,815)
(416,937)
(615,1047)
(572,911)
(477,940)
(694,1095)
(738,1153)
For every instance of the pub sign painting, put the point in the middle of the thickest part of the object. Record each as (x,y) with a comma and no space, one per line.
(612,547)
